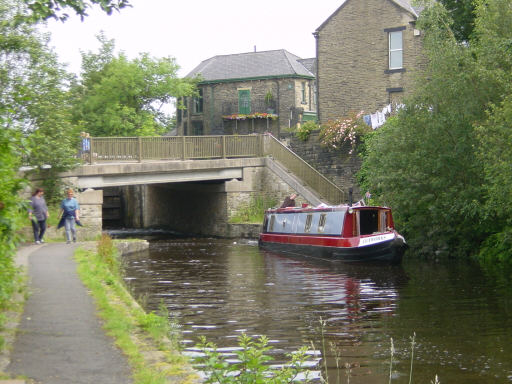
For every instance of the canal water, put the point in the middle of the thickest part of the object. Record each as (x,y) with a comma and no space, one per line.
(459,316)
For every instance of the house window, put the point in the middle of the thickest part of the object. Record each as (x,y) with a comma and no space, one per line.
(198,102)
(303,92)
(244,101)
(395,50)
(307,227)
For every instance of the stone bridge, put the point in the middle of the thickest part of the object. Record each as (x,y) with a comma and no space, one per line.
(195,196)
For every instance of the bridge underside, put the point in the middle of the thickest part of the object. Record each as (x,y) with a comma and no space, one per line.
(190,207)
(101,181)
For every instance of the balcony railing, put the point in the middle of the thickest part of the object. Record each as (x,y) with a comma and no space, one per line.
(257,106)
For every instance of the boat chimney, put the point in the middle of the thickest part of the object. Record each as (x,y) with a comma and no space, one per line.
(350,197)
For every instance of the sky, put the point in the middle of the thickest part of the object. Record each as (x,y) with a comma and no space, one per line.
(195,30)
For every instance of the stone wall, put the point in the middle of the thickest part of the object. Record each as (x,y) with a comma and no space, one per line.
(90,214)
(338,166)
(352,53)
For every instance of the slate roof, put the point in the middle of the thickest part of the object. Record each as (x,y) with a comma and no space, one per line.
(404,4)
(310,64)
(265,64)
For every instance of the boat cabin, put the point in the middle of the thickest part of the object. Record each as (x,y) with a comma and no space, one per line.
(342,221)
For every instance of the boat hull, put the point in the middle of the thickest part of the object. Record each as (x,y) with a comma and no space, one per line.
(390,251)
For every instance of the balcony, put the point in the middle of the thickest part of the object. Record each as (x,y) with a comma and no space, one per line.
(257,106)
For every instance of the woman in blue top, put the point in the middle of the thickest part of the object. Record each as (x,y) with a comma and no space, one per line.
(70,212)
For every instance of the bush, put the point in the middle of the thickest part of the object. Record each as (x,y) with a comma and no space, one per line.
(253,212)
(349,129)
(304,131)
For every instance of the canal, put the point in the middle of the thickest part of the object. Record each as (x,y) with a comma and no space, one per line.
(460,316)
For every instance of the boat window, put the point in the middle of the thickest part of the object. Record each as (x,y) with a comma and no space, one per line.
(309,219)
(321,222)
(272,221)
(368,221)
(383,222)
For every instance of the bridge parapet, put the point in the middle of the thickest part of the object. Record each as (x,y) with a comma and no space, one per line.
(144,149)
(130,149)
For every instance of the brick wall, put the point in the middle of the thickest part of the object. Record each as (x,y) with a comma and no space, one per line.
(352,50)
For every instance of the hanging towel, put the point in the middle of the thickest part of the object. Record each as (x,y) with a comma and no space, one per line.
(374,119)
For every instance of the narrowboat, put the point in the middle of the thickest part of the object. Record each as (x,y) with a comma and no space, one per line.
(345,233)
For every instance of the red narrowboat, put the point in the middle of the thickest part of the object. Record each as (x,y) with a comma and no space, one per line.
(345,233)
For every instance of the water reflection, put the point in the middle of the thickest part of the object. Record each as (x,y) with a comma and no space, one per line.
(221,289)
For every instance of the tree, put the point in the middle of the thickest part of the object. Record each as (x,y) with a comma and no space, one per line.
(426,161)
(122,97)
(462,15)
(493,35)
(34,86)
(46,9)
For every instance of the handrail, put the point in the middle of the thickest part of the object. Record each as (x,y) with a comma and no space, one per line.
(129,149)
(123,149)
(328,191)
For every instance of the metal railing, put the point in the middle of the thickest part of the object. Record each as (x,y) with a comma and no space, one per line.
(109,149)
(327,190)
(124,149)
(257,106)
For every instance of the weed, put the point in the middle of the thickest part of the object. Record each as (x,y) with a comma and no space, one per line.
(252,364)
(413,343)
(392,350)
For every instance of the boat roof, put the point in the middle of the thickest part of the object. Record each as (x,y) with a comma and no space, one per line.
(323,208)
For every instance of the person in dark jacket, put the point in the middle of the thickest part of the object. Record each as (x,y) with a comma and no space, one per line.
(38,213)
(289,201)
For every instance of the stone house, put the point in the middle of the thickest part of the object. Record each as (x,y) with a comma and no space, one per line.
(249,93)
(367,54)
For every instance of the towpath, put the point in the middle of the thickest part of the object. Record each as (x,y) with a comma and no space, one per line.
(60,339)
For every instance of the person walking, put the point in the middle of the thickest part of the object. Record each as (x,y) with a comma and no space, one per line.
(38,214)
(70,213)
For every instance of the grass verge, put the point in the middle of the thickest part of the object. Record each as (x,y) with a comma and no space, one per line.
(253,211)
(149,340)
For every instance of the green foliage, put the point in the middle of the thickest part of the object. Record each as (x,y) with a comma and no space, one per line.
(304,131)
(498,248)
(335,133)
(121,97)
(253,212)
(34,86)
(427,162)
(57,9)
(108,254)
(462,14)
(252,366)
(11,207)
